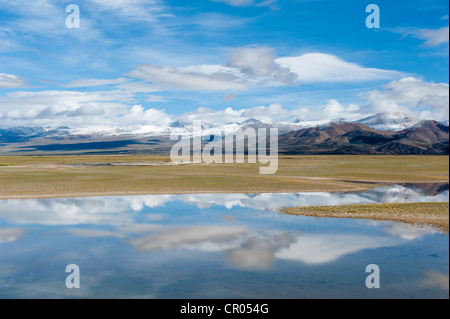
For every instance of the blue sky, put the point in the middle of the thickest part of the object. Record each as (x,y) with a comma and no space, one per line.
(150,62)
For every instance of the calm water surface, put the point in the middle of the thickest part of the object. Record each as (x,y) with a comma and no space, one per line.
(217,246)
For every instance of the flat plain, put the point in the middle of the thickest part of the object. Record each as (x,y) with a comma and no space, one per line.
(79,176)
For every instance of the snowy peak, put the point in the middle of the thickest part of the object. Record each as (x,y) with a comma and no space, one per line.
(252,121)
(389,121)
(179,124)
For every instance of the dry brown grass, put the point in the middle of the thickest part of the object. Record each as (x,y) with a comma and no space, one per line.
(435,214)
(35,176)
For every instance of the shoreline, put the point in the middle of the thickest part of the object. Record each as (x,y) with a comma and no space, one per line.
(188,192)
(355,190)
(432,214)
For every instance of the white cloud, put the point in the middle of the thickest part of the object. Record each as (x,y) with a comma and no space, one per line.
(140,228)
(94,82)
(229,97)
(272,112)
(34,22)
(8,40)
(53,104)
(97,211)
(93,233)
(138,87)
(247,3)
(275,113)
(187,237)
(335,110)
(209,77)
(257,251)
(259,62)
(252,66)
(411,95)
(408,232)
(319,67)
(10,81)
(78,109)
(322,249)
(256,61)
(433,37)
(147,10)
(256,255)
(11,234)
(436,279)
(139,113)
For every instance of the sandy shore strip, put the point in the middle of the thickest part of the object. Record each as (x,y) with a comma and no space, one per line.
(434,214)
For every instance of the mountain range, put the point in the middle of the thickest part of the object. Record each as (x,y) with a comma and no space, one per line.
(427,137)
(383,133)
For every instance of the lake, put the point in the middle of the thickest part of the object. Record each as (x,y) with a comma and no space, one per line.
(218,246)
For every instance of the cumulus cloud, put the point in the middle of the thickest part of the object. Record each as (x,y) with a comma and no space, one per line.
(259,62)
(270,113)
(10,81)
(335,110)
(149,115)
(78,109)
(409,95)
(276,113)
(62,107)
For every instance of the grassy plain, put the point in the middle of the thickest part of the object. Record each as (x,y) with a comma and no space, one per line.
(63,176)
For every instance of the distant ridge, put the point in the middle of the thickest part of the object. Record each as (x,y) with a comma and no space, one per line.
(382,136)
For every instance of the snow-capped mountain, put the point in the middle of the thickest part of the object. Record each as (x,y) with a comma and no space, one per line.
(389,121)
(21,133)
(381,122)
(252,121)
